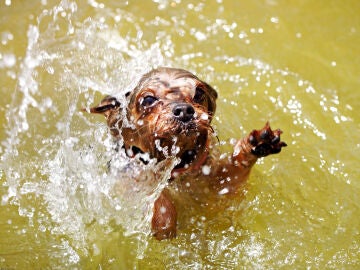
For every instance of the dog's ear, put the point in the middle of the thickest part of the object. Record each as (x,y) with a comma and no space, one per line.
(107,104)
(110,107)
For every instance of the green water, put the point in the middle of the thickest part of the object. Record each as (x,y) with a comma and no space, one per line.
(294,63)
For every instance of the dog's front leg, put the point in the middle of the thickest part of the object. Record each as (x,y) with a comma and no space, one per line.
(163,223)
(259,143)
(231,175)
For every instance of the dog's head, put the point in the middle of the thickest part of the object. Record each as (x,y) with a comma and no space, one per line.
(168,114)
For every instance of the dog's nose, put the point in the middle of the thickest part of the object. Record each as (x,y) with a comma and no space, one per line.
(184,112)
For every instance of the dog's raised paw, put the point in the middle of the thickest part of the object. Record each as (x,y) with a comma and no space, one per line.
(265,141)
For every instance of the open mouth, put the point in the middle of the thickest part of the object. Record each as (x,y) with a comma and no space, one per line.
(186,158)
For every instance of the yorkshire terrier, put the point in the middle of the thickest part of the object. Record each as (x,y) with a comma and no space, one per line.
(168,114)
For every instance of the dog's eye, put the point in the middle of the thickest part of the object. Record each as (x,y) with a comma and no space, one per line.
(199,95)
(147,101)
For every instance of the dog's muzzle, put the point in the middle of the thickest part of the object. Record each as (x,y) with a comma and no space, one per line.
(183,112)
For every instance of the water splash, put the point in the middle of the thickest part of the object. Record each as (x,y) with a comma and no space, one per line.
(55,157)
(60,146)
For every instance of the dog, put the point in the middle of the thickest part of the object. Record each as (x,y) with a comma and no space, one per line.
(169,114)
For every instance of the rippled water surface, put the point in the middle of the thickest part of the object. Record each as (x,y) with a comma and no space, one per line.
(294,64)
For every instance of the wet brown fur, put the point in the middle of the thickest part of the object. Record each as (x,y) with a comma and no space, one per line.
(169,113)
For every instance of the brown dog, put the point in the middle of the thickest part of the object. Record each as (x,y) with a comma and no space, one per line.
(168,115)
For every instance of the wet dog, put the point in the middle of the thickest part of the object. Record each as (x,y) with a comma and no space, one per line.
(169,114)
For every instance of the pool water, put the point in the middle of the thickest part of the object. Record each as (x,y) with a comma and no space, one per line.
(294,64)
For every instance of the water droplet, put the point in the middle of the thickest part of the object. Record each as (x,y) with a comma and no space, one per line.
(7,60)
(274,19)
(223,191)
(200,36)
(206,169)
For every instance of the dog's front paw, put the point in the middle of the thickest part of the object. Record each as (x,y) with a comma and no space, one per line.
(265,141)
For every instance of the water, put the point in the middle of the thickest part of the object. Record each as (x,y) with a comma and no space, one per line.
(62,208)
